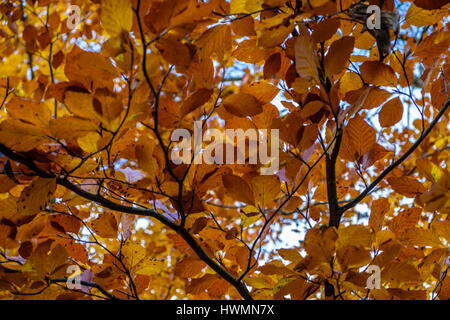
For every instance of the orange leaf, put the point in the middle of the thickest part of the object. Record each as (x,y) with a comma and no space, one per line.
(404,220)
(272,65)
(358,138)
(391,113)
(379,209)
(325,29)
(242,104)
(378,73)
(238,188)
(105,225)
(195,100)
(306,61)
(338,55)
(266,189)
(406,186)
(189,267)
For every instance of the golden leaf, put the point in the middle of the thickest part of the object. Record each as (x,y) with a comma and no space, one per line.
(35,197)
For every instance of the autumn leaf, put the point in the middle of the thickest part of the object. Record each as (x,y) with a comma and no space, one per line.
(406,186)
(378,210)
(306,61)
(265,189)
(338,55)
(391,113)
(242,104)
(238,188)
(378,73)
(195,100)
(35,197)
(116,16)
(345,166)
(358,138)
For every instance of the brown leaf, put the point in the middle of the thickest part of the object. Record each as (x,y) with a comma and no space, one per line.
(378,73)
(242,105)
(391,113)
(407,186)
(238,188)
(339,55)
(195,100)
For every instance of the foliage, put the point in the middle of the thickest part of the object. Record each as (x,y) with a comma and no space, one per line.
(87,115)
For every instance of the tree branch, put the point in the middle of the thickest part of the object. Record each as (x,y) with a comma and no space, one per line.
(333,204)
(425,133)
(97,198)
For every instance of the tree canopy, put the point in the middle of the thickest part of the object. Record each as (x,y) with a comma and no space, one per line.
(93,204)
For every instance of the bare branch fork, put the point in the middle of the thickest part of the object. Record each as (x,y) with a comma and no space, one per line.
(336,211)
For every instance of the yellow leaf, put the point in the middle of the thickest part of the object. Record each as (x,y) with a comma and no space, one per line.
(245,6)
(420,17)
(68,127)
(438,197)
(442,228)
(249,215)
(301,85)
(400,272)
(275,268)
(133,253)
(266,189)
(350,81)
(421,238)
(116,16)
(35,197)
(30,111)
(21,136)
(320,245)
(88,142)
(353,256)
(145,155)
(355,235)
(150,267)
(80,104)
